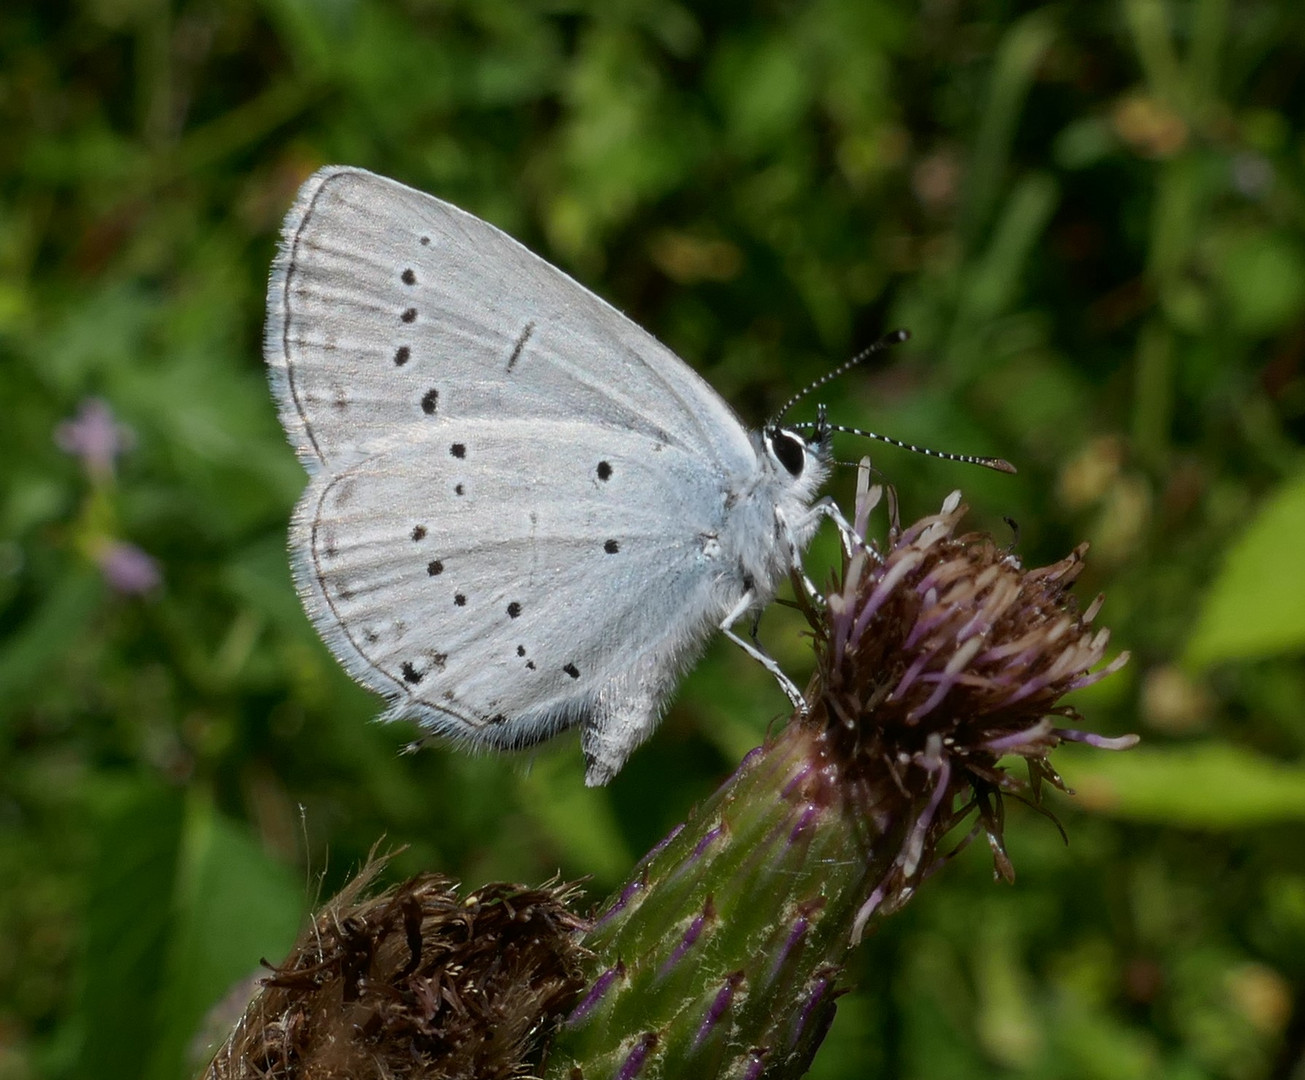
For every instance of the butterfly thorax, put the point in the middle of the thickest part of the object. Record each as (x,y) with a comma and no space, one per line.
(770,509)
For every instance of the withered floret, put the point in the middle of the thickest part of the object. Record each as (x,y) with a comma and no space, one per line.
(415,981)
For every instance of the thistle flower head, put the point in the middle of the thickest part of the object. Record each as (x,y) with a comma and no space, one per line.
(940,655)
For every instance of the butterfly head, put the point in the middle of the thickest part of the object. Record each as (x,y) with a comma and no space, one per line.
(799,457)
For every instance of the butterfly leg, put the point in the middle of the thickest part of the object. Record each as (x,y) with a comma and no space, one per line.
(790,539)
(759,654)
(852,540)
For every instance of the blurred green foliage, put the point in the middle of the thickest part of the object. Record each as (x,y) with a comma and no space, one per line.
(1091,216)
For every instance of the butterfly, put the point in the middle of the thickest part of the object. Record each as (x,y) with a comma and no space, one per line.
(524,513)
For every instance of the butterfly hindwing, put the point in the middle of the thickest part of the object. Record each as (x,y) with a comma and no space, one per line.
(471,591)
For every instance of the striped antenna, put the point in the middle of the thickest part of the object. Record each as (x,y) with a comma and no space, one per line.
(896,337)
(997,464)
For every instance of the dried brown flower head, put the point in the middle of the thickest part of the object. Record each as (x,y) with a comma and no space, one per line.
(415,981)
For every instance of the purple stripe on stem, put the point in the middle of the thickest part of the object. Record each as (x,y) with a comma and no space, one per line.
(706,842)
(661,846)
(813,1000)
(634,1063)
(794,939)
(747,761)
(632,888)
(718,1007)
(809,814)
(687,942)
(601,985)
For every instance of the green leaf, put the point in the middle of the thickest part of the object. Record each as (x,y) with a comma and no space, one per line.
(1205,787)
(128,907)
(578,820)
(28,656)
(1256,605)
(181,905)
(1262,275)
(1015,66)
(234,906)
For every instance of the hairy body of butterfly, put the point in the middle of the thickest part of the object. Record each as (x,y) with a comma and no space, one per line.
(525,513)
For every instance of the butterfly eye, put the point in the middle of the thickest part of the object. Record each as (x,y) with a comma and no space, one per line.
(789,450)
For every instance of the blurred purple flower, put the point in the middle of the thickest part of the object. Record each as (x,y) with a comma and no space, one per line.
(127,568)
(94,436)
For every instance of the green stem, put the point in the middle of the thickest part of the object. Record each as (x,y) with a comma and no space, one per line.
(719,957)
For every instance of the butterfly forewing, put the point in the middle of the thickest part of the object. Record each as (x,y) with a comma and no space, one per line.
(389,308)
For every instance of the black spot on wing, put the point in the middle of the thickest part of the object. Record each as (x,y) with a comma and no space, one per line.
(408,277)
(571,670)
(410,673)
(458,450)
(419,532)
(521,344)
(409,315)
(604,470)
(430,401)
(402,355)
(611,547)
(513,610)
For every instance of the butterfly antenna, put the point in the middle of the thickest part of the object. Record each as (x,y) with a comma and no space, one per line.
(894,338)
(997,464)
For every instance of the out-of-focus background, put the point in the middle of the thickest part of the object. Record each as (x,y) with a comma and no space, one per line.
(1091,215)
